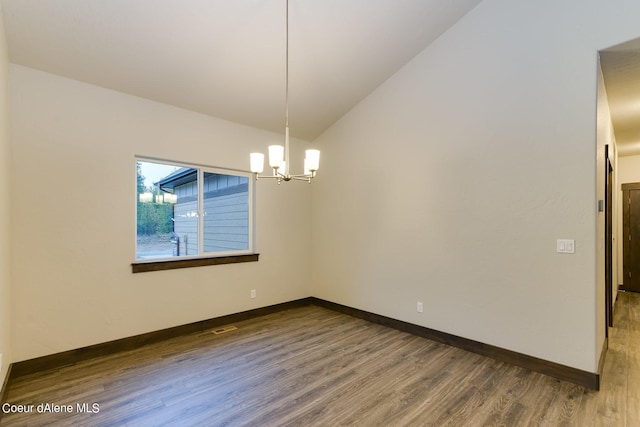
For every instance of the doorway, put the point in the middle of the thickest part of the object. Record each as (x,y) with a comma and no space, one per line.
(631,236)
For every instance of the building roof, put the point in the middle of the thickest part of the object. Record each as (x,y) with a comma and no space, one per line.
(176,178)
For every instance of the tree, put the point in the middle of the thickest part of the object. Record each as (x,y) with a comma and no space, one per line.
(152,218)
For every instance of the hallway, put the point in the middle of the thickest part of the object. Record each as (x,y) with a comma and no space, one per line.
(618,402)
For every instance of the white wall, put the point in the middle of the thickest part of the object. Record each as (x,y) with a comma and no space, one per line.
(628,172)
(74,223)
(452,181)
(5,225)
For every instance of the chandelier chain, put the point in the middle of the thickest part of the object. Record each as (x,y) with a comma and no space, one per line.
(286,100)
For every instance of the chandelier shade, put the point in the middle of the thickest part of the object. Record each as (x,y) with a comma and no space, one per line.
(257,162)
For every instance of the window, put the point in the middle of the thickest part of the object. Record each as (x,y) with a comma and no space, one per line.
(187,212)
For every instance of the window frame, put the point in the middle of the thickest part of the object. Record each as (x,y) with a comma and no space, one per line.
(203,258)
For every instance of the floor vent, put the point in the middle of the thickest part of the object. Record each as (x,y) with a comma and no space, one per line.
(224,330)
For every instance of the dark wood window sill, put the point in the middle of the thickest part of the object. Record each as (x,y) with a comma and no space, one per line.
(142,267)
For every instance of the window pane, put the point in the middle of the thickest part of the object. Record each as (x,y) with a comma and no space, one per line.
(226,212)
(184,184)
(167,212)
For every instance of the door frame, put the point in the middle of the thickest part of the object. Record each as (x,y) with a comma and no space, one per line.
(608,242)
(626,231)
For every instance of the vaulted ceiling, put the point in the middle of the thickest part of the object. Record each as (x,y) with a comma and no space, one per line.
(226,58)
(621,70)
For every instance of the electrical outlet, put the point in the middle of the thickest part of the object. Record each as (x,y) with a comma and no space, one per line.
(253,293)
(420,307)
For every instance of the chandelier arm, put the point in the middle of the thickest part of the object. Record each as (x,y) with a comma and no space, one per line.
(305,178)
(298,177)
(278,178)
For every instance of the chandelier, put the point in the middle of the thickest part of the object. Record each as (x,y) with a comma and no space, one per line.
(278,154)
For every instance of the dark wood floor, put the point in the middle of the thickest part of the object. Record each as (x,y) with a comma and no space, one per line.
(311,366)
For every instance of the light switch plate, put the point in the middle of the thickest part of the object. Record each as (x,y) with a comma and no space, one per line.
(566,246)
